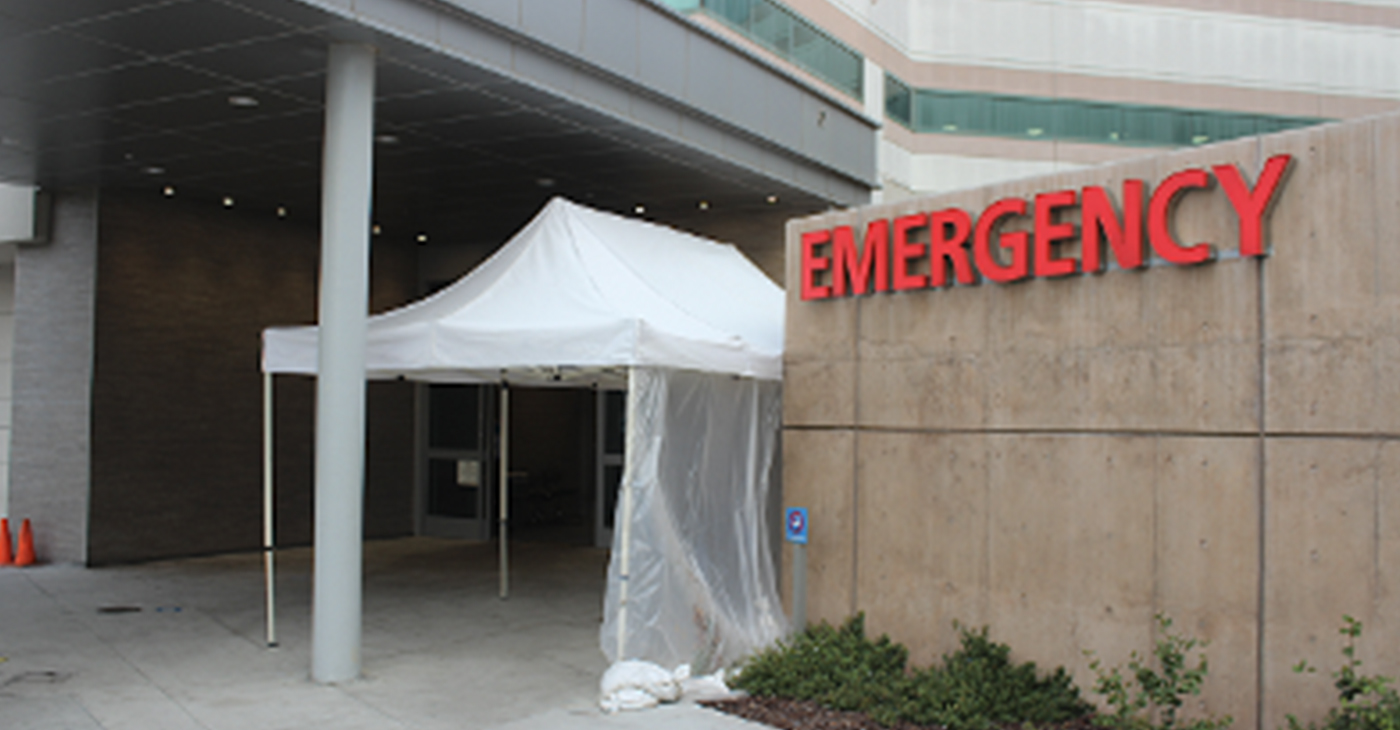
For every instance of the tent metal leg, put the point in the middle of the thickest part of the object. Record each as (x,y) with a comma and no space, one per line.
(625,524)
(340,388)
(269,515)
(505,491)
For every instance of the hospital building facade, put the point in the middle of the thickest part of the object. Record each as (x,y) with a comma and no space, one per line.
(1053,441)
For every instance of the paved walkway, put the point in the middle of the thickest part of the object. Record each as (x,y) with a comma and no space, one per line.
(179,645)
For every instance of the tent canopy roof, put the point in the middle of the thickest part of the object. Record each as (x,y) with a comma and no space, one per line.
(577,296)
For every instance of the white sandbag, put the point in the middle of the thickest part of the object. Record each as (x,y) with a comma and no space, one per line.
(707,687)
(637,685)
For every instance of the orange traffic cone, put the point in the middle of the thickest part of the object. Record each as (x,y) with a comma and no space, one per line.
(6,557)
(24,555)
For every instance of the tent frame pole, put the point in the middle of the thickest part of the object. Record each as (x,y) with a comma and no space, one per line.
(504,488)
(269,515)
(625,564)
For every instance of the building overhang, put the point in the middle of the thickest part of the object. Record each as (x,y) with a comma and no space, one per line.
(485,109)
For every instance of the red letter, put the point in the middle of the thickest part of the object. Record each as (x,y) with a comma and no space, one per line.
(904,250)
(1251,207)
(1047,232)
(875,258)
(812,263)
(1016,241)
(1126,240)
(949,246)
(1159,229)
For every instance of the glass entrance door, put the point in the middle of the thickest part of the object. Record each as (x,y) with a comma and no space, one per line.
(610,442)
(458,475)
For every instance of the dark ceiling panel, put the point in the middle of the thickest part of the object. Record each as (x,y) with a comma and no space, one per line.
(484,131)
(296,54)
(211,108)
(85,130)
(55,12)
(572,144)
(296,151)
(398,79)
(252,133)
(161,150)
(27,63)
(120,87)
(164,30)
(441,106)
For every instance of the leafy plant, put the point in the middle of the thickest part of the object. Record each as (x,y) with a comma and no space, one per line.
(976,688)
(837,667)
(979,687)
(1146,692)
(1363,702)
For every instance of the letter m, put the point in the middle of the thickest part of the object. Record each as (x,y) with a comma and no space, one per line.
(864,267)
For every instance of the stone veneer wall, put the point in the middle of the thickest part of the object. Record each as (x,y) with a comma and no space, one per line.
(183,293)
(1061,459)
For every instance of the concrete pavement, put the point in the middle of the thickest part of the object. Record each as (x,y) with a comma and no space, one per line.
(179,645)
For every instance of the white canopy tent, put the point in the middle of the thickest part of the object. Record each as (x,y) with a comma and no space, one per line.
(586,298)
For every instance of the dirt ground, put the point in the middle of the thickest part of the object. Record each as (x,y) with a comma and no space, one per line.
(806,715)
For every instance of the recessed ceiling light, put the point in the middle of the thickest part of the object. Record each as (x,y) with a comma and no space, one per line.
(386,138)
(640,209)
(281,212)
(228,202)
(704,205)
(169,191)
(544,182)
(375,229)
(422,238)
(242,100)
(153,170)
(772,200)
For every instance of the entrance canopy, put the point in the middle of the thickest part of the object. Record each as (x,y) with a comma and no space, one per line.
(577,295)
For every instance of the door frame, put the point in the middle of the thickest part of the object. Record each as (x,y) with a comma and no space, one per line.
(461,528)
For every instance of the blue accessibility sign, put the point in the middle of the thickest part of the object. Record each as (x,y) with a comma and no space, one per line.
(796,522)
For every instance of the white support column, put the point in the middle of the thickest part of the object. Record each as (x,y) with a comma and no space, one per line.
(340,387)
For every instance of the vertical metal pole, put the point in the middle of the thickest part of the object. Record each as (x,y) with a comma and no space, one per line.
(340,387)
(269,514)
(799,587)
(625,523)
(505,490)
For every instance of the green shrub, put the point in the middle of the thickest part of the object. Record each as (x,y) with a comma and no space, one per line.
(976,688)
(838,668)
(1147,692)
(1363,702)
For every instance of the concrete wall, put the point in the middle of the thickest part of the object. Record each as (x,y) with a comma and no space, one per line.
(183,293)
(1061,459)
(52,379)
(7,361)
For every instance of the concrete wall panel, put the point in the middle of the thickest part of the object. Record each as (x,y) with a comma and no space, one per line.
(1207,560)
(934,488)
(817,470)
(1320,562)
(1321,278)
(1071,555)
(50,453)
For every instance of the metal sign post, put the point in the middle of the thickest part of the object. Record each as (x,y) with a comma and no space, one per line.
(795,522)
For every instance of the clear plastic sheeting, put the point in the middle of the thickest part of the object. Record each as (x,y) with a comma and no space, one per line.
(691,579)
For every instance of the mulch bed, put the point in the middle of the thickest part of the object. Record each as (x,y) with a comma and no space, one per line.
(808,715)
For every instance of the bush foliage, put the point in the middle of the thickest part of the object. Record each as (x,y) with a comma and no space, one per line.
(976,687)
(1364,702)
(1149,691)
